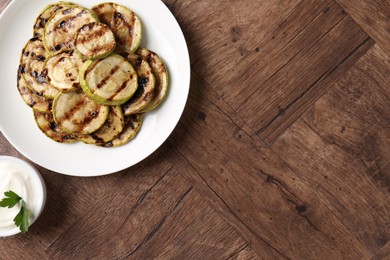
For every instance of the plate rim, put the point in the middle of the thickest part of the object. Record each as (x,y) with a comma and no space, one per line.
(13,6)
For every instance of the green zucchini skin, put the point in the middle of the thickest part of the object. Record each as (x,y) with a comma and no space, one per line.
(85,76)
(48,126)
(45,15)
(131,127)
(31,98)
(109,130)
(125,24)
(160,72)
(146,84)
(32,68)
(61,29)
(74,112)
(95,41)
(63,70)
(109,81)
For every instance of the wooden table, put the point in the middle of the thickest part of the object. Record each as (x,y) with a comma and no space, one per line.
(283,150)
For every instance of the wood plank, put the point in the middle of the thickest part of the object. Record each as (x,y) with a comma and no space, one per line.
(194,231)
(295,109)
(261,247)
(289,85)
(289,37)
(246,253)
(116,209)
(342,148)
(342,183)
(160,208)
(360,114)
(373,16)
(229,31)
(252,184)
(384,253)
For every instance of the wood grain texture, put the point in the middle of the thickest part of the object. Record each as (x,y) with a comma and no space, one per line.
(246,253)
(349,129)
(288,85)
(373,17)
(282,152)
(258,188)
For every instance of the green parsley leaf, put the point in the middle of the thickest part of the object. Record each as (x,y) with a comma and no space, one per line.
(11,199)
(21,219)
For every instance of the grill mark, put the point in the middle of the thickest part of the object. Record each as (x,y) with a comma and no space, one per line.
(104,20)
(105,47)
(67,11)
(93,37)
(71,111)
(122,87)
(91,67)
(67,23)
(132,120)
(22,69)
(97,138)
(107,77)
(142,83)
(75,16)
(40,23)
(81,13)
(49,127)
(138,62)
(149,58)
(87,119)
(121,17)
(32,101)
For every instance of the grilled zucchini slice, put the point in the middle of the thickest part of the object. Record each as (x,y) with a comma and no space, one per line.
(45,15)
(31,98)
(132,126)
(124,23)
(49,127)
(160,72)
(61,30)
(109,81)
(109,130)
(63,70)
(74,112)
(95,40)
(32,68)
(146,83)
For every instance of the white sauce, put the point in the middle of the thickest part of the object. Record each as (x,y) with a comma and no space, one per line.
(24,181)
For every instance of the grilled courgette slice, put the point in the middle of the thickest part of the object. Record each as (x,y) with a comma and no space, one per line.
(95,40)
(146,83)
(31,98)
(132,126)
(109,81)
(61,29)
(160,72)
(32,68)
(45,15)
(63,70)
(109,130)
(50,128)
(124,23)
(74,112)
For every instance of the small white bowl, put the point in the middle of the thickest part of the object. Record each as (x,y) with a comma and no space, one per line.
(33,184)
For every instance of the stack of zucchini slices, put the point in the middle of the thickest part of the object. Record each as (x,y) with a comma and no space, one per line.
(85,76)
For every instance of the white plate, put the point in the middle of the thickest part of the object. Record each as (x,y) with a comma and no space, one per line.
(161,33)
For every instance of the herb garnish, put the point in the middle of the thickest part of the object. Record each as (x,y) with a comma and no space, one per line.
(21,219)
